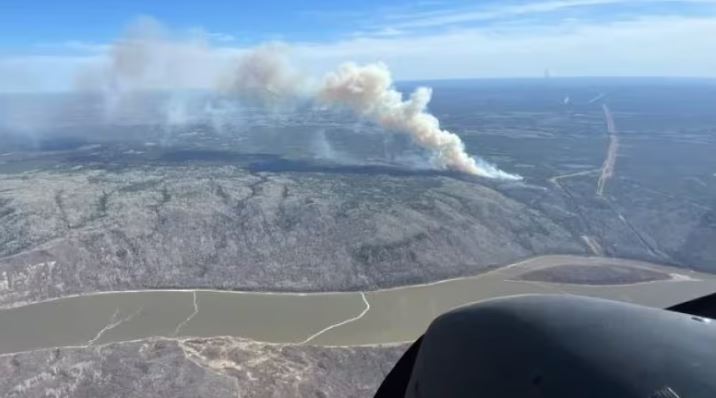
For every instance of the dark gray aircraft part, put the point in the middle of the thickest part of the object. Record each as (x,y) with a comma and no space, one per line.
(561,346)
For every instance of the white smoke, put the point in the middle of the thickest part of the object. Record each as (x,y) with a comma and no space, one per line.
(223,115)
(369,91)
(148,59)
(321,146)
(264,75)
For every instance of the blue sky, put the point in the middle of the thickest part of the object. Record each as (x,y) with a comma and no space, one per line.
(43,42)
(27,24)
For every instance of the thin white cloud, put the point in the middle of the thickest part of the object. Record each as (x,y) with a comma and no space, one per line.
(222,37)
(83,46)
(447,17)
(388,31)
(654,46)
(648,46)
(382,32)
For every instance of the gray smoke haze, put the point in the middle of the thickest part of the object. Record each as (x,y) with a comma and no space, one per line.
(264,75)
(322,148)
(201,83)
(147,59)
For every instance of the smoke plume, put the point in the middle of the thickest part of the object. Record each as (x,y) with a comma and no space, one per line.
(264,75)
(369,91)
(146,59)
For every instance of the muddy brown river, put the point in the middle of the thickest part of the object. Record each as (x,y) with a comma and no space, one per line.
(341,318)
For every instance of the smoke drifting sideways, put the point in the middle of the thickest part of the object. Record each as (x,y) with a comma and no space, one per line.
(148,60)
(369,91)
(150,74)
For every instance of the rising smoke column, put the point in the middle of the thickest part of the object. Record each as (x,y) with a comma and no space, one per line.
(369,91)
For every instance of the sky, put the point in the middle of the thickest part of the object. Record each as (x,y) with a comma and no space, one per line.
(45,44)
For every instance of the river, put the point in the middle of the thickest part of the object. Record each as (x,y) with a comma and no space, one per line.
(338,318)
